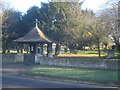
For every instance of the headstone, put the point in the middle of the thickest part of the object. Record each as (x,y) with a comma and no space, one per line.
(50,55)
(65,49)
(37,57)
(110,54)
(73,51)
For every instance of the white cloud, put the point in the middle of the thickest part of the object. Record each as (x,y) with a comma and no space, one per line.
(24,5)
(93,4)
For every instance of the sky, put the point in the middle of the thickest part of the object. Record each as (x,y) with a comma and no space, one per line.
(94,4)
(24,5)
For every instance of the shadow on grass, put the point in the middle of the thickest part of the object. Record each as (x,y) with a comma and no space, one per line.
(78,74)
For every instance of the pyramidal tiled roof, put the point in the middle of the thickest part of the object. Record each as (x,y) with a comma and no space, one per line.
(35,35)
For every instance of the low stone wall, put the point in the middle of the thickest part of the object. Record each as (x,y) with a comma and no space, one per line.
(79,62)
(66,61)
(12,57)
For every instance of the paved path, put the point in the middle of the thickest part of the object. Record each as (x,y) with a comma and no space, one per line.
(12,79)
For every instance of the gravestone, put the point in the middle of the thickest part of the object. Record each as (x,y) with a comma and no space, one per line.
(73,51)
(65,49)
(37,58)
(111,53)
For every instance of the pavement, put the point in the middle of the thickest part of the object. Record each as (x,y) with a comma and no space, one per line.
(12,78)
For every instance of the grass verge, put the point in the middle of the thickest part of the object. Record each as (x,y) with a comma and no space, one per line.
(98,75)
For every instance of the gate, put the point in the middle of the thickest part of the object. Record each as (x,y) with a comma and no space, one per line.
(29,59)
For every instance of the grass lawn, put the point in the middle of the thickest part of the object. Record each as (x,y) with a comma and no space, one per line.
(78,74)
(83,53)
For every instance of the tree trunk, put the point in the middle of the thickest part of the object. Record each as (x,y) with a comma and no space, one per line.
(90,48)
(3,49)
(18,50)
(98,43)
(27,49)
(105,46)
(66,49)
(118,47)
(8,50)
(57,49)
(102,47)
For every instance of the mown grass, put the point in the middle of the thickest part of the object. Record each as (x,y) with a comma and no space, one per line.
(98,75)
(83,53)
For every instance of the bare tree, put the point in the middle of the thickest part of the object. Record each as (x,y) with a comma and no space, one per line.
(110,17)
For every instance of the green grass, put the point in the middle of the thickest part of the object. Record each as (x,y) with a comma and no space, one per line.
(83,53)
(88,53)
(98,75)
(117,54)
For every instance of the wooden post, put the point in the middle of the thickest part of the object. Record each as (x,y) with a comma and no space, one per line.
(50,48)
(118,45)
(36,48)
(18,48)
(21,46)
(27,48)
(47,49)
(98,42)
(41,48)
(31,48)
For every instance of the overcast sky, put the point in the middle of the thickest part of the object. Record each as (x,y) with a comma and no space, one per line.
(24,5)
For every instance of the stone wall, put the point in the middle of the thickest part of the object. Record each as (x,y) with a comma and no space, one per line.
(29,59)
(79,62)
(12,57)
(66,61)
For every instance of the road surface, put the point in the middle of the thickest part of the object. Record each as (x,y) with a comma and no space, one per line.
(12,79)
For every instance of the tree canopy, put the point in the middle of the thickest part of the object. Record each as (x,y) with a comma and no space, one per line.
(64,22)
